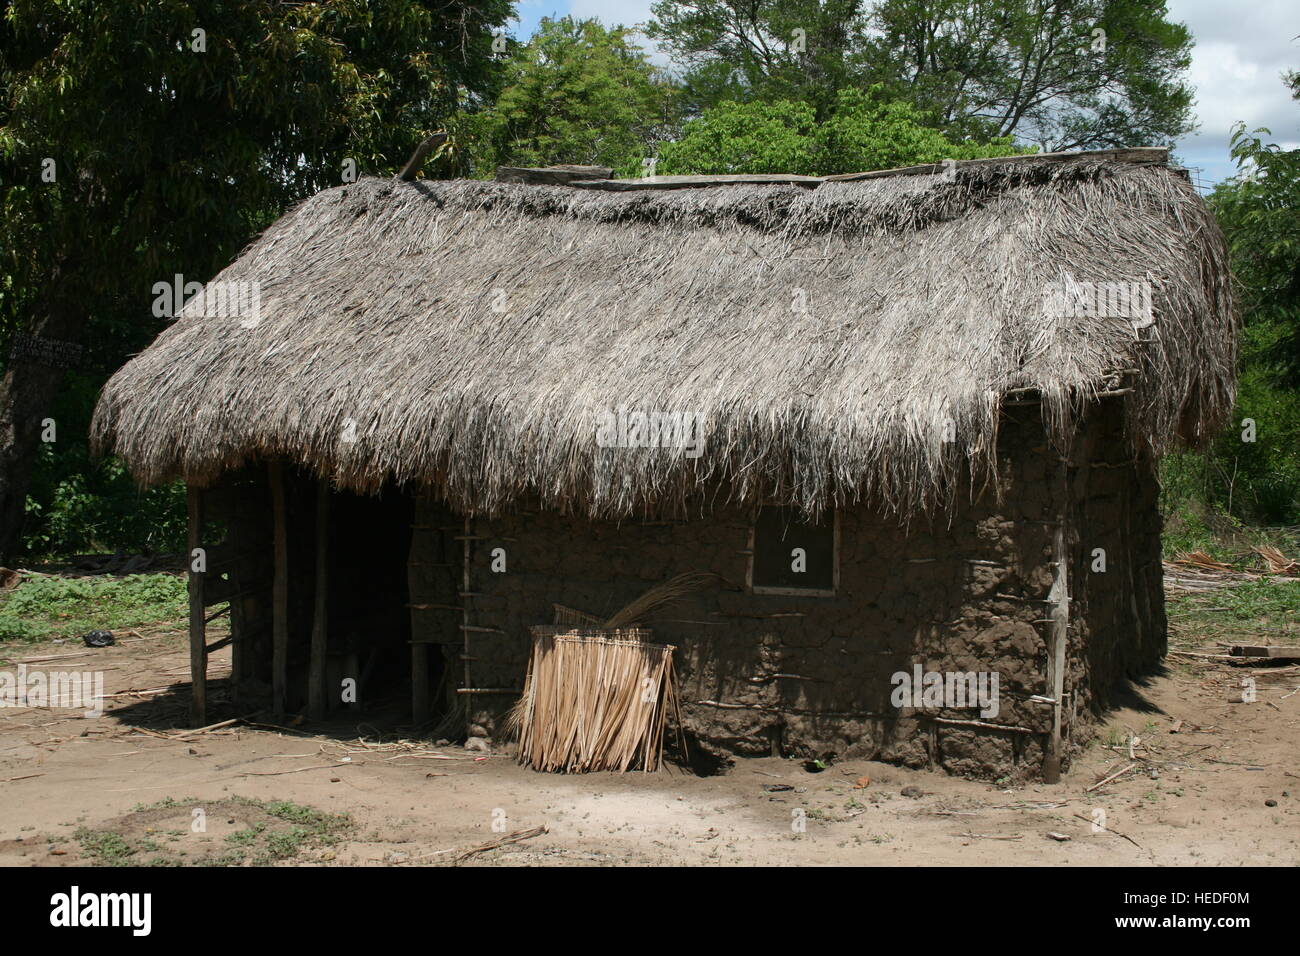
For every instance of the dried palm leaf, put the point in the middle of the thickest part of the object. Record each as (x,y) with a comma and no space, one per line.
(659,596)
(1277,562)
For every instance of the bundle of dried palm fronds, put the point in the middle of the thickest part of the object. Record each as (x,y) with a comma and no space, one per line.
(1278,563)
(1199,559)
(594,699)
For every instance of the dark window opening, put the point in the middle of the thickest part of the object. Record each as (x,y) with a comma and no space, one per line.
(792,554)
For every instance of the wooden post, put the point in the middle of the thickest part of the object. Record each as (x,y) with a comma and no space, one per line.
(316,692)
(466,590)
(421,711)
(279,595)
(198,626)
(237,631)
(1060,627)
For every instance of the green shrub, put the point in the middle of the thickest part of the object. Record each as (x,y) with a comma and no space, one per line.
(68,607)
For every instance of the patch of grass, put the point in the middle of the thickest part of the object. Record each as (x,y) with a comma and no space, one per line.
(48,607)
(1268,600)
(1265,611)
(106,847)
(270,832)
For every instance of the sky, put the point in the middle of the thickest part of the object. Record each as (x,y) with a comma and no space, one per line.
(1241,49)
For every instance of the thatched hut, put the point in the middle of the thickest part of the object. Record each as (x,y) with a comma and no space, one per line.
(910,420)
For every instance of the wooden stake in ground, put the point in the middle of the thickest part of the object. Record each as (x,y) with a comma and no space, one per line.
(279,595)
(198,626)
(1060,627)
(316,699)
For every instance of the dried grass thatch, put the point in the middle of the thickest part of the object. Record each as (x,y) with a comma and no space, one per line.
(472,333)
(659,596)
(594,699)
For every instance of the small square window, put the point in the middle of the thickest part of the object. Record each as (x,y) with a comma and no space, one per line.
(790,555)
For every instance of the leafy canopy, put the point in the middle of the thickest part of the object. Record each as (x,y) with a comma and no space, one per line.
(577,92)
(864,132)
(1065,74)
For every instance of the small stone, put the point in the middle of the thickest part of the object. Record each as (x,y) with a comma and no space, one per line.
(1058,837)
(1270,803)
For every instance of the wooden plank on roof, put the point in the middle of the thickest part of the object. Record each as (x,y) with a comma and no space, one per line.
(1137,154)
(692,182)
(551,175)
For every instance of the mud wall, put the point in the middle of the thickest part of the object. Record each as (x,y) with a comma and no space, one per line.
(810,676)
(1118,605)
(792,675)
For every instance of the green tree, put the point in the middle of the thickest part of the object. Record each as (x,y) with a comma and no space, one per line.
(757,137)
(740,50)
(140,139)
(1064,74)
(1259,211)
(1259,480)
(577,92)
(864,132)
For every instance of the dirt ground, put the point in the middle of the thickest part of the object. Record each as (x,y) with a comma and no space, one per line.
(1206,765)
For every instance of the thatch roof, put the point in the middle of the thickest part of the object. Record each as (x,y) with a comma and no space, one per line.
(472,331)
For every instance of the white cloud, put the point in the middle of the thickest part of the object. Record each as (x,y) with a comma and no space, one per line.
(1241,51)
(613,12)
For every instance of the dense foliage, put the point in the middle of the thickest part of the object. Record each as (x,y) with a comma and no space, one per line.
(865,131)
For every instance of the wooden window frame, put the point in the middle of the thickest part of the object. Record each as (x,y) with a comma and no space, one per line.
(796,592)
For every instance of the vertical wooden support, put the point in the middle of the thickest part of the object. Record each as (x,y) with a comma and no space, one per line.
(421,703)
(198,626)
(279,595)
(316,692)
(1059,633)
(466,558)
(238,628)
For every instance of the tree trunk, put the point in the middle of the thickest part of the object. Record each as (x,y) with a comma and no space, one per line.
(28,390)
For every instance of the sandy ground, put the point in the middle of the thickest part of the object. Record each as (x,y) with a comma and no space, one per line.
(1197,796)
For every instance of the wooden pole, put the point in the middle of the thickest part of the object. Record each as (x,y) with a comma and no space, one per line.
(316,691)
(279,595)
(1060,626)
(465,591)
(421,711)
(198,624)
